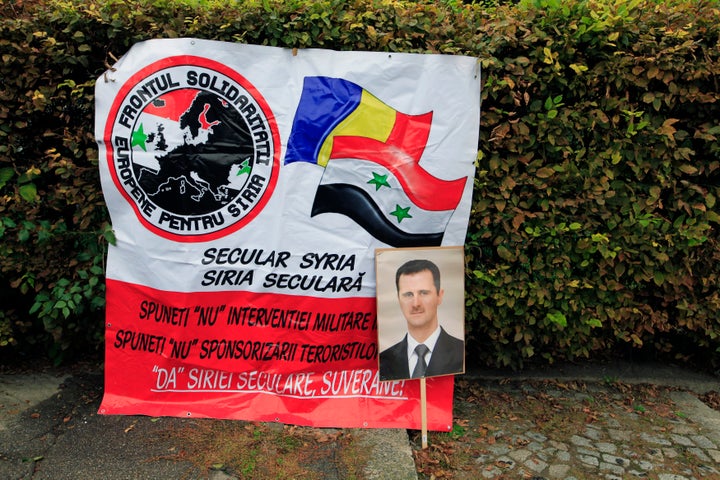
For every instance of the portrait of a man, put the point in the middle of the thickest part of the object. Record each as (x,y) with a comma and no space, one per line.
(426,349)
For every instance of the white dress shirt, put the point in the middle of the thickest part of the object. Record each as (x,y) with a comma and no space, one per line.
(412,343)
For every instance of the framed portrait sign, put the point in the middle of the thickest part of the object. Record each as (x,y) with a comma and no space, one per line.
(420,312)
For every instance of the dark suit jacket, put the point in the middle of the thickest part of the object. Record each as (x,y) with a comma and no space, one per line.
(447,358)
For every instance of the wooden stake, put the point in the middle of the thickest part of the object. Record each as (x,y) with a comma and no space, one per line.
(423,412)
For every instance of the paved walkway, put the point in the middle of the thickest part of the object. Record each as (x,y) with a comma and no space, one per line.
(616,443)
(49,429)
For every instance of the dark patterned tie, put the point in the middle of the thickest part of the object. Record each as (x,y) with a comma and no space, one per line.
(419,371)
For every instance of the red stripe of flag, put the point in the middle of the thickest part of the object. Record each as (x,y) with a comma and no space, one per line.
(400,154)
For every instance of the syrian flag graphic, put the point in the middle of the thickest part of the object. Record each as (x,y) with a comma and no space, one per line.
(371,155)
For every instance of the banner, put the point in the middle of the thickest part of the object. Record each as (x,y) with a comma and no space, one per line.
(248,189)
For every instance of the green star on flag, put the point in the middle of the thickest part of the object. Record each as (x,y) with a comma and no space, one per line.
(379,181)
(401,213)
(139,138)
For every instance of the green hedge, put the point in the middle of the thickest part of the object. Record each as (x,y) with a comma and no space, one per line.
(594,226)
(595,221)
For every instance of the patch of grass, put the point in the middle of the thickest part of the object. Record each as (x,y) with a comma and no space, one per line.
(353,458)
(249,450)
(457,431)
(609,380)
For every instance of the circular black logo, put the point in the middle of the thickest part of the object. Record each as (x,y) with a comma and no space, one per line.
(193,147)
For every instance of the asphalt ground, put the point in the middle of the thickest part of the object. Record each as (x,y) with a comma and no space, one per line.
(50,429)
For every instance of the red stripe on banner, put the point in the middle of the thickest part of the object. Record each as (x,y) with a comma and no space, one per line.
(257,357)
(400,154)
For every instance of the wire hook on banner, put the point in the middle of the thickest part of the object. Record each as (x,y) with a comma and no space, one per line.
(110,68)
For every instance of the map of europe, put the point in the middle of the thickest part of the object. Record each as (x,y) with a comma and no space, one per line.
(192,152)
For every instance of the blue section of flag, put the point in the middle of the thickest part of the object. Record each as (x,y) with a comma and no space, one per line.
(324,103)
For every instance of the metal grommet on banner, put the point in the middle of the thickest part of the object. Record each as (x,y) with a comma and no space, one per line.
(188,414)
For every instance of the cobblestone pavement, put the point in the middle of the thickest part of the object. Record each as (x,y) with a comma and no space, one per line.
(576,431)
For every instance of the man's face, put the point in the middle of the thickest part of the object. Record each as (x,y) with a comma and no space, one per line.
(419,300)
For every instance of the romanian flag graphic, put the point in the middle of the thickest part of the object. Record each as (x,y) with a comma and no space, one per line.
(371,155)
